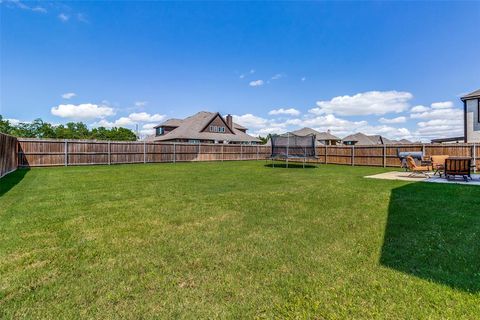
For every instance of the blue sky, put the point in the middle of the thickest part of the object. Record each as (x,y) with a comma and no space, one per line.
(392,68)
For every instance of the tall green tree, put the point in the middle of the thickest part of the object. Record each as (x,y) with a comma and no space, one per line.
(72,130)
(5,126)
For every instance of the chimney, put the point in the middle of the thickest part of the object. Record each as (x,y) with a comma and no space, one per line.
(229,121)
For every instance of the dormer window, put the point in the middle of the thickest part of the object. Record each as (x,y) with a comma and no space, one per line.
(217,129)
(159,131)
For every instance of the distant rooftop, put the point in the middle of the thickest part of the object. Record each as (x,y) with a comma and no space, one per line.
(472,95)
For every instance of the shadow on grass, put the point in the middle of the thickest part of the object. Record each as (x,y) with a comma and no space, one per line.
(11,180)
(433,232)
(290,165)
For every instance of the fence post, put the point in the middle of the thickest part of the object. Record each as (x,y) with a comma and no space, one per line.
(222,152)
(66,152)
(475,157)
(326,149)
(144,152)
(174,152)
(241,151)
(257,153)
(353,155)
(109,157)
(384,155)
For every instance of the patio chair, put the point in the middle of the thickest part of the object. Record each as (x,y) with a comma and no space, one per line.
(458,166)
(415,169)
(438,163)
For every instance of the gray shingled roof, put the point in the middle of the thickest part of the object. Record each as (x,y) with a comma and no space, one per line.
(191,127)
(321,136)
(177,122)
(471,95)
(170,123)
(363,139)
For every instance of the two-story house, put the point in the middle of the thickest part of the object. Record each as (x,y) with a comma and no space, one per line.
(471,116)
(203,127)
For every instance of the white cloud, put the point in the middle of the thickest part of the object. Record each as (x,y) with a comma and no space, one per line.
(438,114)
(440,128)
(441,120)
(141,103)
(68,95)
(338,126)
(14,122)
(277,76)
(146,117)
(131,120)
(250,121)
(252,71)
(303,79)
(366,103)
(419,109)
(242,76)
(256,83)
(290,111)
(147,129)
(394,120)
(23,6)
(63,17)
(442,105)
(39,9)
(84,111)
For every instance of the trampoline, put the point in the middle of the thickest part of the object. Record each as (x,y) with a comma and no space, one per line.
(290,146)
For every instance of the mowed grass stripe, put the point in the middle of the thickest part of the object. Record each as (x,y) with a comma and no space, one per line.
(235,240)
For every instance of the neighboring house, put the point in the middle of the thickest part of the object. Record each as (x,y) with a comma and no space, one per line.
(471,116)
(449,140)
(366,140)
(203,127)
(322,138)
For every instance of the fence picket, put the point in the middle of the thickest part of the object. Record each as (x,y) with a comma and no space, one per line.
(49,152)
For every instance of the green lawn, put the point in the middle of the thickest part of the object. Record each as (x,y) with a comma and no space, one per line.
(235,240)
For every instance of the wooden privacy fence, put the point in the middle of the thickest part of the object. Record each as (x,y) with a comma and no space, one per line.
(40,152)
(36,152)
(386,155)
(8,154)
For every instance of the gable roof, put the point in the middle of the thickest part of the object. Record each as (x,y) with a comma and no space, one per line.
(177,122)
(472,95)
(363,139)
(217,115)
(170,123)
(319,135)
(191,128)
(238,126)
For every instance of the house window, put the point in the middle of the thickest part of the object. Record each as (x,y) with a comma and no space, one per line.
(159,131)
(221,129)
(193,141)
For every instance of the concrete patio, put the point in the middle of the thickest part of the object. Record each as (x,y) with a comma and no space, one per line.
(405,176)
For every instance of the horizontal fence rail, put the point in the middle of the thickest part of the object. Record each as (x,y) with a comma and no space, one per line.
(8,154)
(42,152)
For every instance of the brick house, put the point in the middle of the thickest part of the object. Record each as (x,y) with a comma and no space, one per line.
(203,127)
